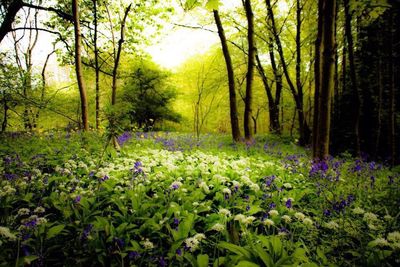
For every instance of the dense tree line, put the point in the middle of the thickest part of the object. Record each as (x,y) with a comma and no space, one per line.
(334,79)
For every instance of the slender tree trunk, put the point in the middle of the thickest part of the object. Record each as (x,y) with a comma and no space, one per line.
(248,131)
(353,76)
(118,57)
(304,130)
(5,114)
(392,93)
(231,79)
(327,13)
(317,77)
(96,65)
(272,108)
(78,66)
(278,87)
(379,115)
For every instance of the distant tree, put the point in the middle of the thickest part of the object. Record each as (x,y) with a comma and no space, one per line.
(147,97)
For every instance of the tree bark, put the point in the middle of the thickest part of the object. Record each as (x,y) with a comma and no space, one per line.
(78,66)
(325,84)
(231,79)
(392,93)
(248,130)
(118,57)
(96,65)
(9,18)
(353,76)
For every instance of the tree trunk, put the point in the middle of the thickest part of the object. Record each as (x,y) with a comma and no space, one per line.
(118,57)
(272,108)
(278,87)
(392,93)
(96,65)
(9,18)
(325,84)
(78,66)
(304,130)
(248,130)
(317,67)
(5,114)
(231,79)
(353,76)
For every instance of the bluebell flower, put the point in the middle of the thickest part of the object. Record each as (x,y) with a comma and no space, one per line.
(86,232)
(288,203)
(77,199)
(132,255)
(179,252)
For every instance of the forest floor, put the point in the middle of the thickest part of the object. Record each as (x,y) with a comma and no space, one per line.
(169,199)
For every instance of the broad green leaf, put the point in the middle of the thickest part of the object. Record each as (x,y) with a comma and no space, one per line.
(29,259)
(247,264)
(235,249)
(55,230)
(202,260)
(265,257)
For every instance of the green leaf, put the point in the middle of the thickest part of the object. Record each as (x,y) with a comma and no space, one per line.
(247,264)
(55,230)
(235,249)
(219,262)
(213,4)
(265,257)
(29,259)
(202,260)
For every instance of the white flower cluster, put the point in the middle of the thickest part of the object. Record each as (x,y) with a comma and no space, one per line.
(224,212)
(6,233)
(192,243)
(147,244)
(218,227)
(244,219)
(332,225)
(7,191)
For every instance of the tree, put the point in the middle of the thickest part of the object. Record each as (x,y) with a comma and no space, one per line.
(297,93)
(325,46)
(231,79)
(147,97)
(78,65)
(248,130)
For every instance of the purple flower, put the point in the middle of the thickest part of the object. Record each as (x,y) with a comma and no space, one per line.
(269,180)
(327,213)
(288,203)
(272,205)
(31,224)
(125,137)
(179,252)
(105,178)
(119,242)
(247,207)
(86,232)
(162,262)
(132,255)
(77,199)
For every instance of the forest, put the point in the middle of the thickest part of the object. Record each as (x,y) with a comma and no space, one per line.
(200,133)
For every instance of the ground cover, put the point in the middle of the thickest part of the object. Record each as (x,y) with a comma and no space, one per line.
(174,200)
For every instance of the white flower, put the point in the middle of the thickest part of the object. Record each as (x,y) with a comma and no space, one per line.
(299,216)
(287,185)
(192,243)
(308,222)
(286,218)
(147,244)
(218,227)
(5,232)
(226,191)
(394,236)
(370,217)
(249,220)
(358,211)
(199,237)
(387,217)
(240,217)
(39,210)
(273,213)
(41,220)
(268,222)
(23,211)
(205,187)
(224,212)
(380,242)
(196,204)
(331,225)
(254,187)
